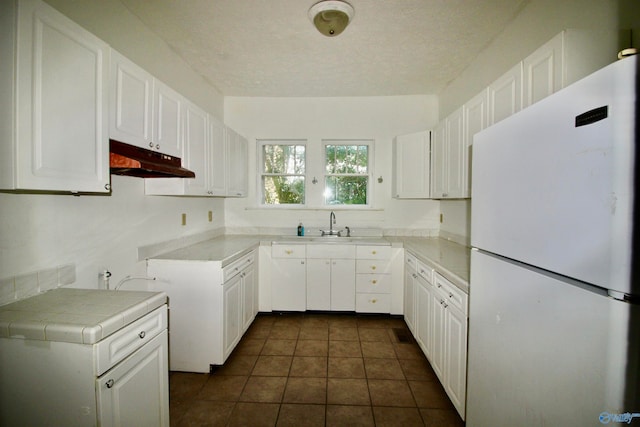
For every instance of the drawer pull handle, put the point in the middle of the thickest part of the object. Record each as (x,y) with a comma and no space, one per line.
(373,301)
(373,252)
(439,285)
(110,383)
(142,334)
(450,295)
(373,267)
(288,252)
(374,281)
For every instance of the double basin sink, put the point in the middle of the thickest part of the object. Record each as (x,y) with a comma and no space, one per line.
(335,240)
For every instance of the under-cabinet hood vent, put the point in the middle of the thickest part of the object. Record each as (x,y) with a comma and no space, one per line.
(129,160)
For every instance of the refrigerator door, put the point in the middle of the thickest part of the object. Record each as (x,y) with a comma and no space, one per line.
(542,351)
(557,195)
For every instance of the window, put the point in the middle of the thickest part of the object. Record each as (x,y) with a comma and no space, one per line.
(346,180)
(283,172)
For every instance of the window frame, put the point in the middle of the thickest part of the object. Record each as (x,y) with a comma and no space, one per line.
(369,143)
(261,173)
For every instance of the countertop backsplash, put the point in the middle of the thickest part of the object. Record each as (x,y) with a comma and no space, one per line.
(26,285)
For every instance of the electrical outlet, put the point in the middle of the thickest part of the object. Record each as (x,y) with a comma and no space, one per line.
(210,216)
(184,219)
(441,218)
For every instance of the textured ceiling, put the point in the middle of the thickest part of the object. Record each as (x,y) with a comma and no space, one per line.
(270,48)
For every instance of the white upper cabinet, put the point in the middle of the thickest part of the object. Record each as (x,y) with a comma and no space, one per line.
(217,157)
(131,102)
(543,71)
(449,158)
(411,166)
(238,169)
(168,111)
(54,81)
(476,115)
(195,152)
(505,95)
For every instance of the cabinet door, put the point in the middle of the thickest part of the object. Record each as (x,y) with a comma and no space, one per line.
(217,157)
(343,284)
(412,166)
(168,110)
(505,95)
(248,296)
(475,120)
(238,168)
(195,151)
(318,284)
(62,103)
(437,334)
(232,308)
(409,300)
(140,381)
(456,156)
(423,315)
(131,102)
(543,71)
(455,332)
(438,159)
(288,284)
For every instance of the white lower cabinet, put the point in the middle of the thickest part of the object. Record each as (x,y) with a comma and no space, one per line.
(436,312)
(331,277)
(208,307)
(373,279)
(288,277)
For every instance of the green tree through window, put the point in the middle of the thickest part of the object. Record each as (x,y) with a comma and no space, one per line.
(283,174)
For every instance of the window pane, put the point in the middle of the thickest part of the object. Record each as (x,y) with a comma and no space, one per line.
(346,159)
(279,190)
(345,190)
(285,159)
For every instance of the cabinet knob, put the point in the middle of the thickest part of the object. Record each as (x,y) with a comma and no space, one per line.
(373,267)
(445,194)
(450,295)
(288,252)
(414,275)
(151,144)
(374,281)
(110,383)
(301,262)
(439,285)
(142,334)
(374,252)
(373,301)
(158,146)
(107,187)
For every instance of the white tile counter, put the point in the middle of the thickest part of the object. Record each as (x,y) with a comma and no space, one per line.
(446,257)
(83,316)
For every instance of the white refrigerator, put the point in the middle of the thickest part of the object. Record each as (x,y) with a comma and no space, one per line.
(554,324)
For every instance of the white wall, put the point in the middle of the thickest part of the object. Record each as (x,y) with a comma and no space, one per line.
(537,23)
(43,231)
(314,119)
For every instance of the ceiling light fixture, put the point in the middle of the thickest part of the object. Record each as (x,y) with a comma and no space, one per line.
(331,17)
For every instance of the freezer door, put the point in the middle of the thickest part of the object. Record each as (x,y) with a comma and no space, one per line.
(542,351)
(558,195)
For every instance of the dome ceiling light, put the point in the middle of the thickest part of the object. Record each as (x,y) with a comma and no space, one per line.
(331,17)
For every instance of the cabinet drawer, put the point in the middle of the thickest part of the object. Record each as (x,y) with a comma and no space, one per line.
(410,263)
(370,266)
(425,271)
(238,265)
(331,251)
(121,344)
(450,293)
(288,251)
(373,252)
(373,303)
(373,283)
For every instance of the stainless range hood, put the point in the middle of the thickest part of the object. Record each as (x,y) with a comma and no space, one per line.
(129,160)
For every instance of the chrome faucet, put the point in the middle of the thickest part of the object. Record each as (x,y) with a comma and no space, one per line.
(332,220)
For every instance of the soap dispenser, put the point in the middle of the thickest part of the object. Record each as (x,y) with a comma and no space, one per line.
(300,229)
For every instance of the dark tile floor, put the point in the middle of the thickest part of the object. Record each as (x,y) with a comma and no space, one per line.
(316,370)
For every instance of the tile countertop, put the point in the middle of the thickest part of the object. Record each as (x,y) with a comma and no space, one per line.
(448,258)
(83,316)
